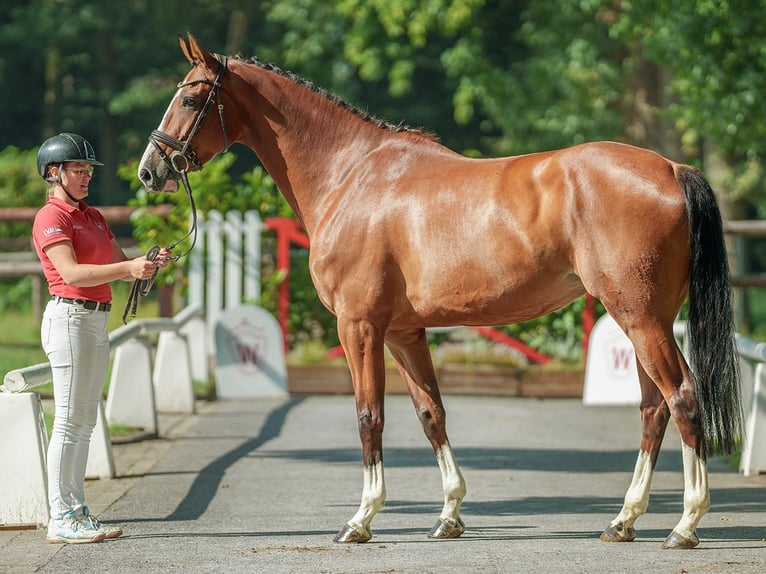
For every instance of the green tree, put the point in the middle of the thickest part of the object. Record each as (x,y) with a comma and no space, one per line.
(717,57)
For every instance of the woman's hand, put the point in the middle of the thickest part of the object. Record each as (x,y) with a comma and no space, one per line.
(143,268)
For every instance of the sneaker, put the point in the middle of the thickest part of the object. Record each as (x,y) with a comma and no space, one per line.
(70,530)
(94,523)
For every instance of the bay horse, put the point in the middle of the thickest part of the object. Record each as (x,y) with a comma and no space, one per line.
(407,234)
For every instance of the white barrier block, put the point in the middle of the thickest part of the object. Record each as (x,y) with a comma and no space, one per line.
(130,400)
(611,377)
(23,473)
(250,358)
(100,458)
(753,459)
(173,385)
(196,337)
(747,384)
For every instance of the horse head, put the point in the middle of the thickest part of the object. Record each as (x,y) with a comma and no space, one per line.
(184,141)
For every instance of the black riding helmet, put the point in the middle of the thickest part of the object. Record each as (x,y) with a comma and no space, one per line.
(63,148)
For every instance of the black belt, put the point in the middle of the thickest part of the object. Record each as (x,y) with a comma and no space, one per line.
(92,305)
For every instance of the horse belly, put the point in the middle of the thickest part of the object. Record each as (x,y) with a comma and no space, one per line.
(486,293)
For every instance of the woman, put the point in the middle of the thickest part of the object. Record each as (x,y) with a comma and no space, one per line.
(80,256)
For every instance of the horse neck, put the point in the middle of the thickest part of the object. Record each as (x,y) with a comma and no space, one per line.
(303,139)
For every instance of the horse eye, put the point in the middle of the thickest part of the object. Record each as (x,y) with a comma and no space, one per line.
(187,102)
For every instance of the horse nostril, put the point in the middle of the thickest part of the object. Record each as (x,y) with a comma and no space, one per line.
(145,176)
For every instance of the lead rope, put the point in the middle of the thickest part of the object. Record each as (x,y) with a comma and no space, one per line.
(142,287)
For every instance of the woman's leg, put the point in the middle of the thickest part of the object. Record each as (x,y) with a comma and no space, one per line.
(76,343)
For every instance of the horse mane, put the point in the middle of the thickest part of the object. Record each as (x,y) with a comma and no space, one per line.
(338,101)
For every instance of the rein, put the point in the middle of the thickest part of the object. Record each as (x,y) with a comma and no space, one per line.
(179,162)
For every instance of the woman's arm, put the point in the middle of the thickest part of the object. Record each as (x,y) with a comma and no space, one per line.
(64,259)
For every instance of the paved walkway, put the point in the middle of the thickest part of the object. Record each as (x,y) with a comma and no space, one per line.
(263,486)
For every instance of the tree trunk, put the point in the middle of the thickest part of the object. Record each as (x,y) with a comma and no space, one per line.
(718,172)
(53,94)
(645,97)
(108,136)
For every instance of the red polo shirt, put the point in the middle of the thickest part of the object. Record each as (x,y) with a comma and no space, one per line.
(91,239)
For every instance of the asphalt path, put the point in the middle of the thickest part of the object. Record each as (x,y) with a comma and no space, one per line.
(264,485)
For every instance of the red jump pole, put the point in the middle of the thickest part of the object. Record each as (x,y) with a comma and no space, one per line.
(288,231)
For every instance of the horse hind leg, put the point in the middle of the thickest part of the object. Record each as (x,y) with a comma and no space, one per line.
(660,356)
(410,351)
(654,420)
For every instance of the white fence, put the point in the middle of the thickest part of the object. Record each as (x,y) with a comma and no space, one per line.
(225,266)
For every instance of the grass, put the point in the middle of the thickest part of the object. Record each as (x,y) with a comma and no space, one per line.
(115,431)
(19,341)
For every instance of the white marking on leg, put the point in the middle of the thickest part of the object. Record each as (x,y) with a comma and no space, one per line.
(373,497)
(637,495)
(453,484)
(696,493)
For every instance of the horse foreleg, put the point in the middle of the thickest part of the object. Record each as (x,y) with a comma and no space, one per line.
(654,420)
(373,497)
(363,344)
(410,351)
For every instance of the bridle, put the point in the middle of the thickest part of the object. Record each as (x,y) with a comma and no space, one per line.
(179,162)
(184,156)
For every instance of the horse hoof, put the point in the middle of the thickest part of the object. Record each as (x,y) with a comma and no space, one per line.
(351,533)
(618,533)
(447,528)
(676,541)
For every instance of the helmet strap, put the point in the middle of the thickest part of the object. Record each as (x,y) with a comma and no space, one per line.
(58,180)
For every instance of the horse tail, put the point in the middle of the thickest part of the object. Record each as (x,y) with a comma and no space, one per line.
(710,327)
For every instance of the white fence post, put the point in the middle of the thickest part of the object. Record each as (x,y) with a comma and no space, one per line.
(252,230)
(233,274)
(214,275)
(197,265)
(753,459)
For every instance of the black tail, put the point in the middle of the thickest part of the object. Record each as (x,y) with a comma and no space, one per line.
(712,347)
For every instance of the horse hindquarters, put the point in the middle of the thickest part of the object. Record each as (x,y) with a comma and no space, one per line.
(703,400)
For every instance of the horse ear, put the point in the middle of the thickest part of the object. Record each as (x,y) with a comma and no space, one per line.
(185,48)
(195,53)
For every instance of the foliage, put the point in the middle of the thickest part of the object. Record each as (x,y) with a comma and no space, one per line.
(20,186)
(489,76)
(718,61)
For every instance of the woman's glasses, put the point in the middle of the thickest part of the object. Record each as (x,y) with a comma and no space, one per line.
(81,171)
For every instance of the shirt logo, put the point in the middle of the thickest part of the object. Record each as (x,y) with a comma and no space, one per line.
(48,231)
